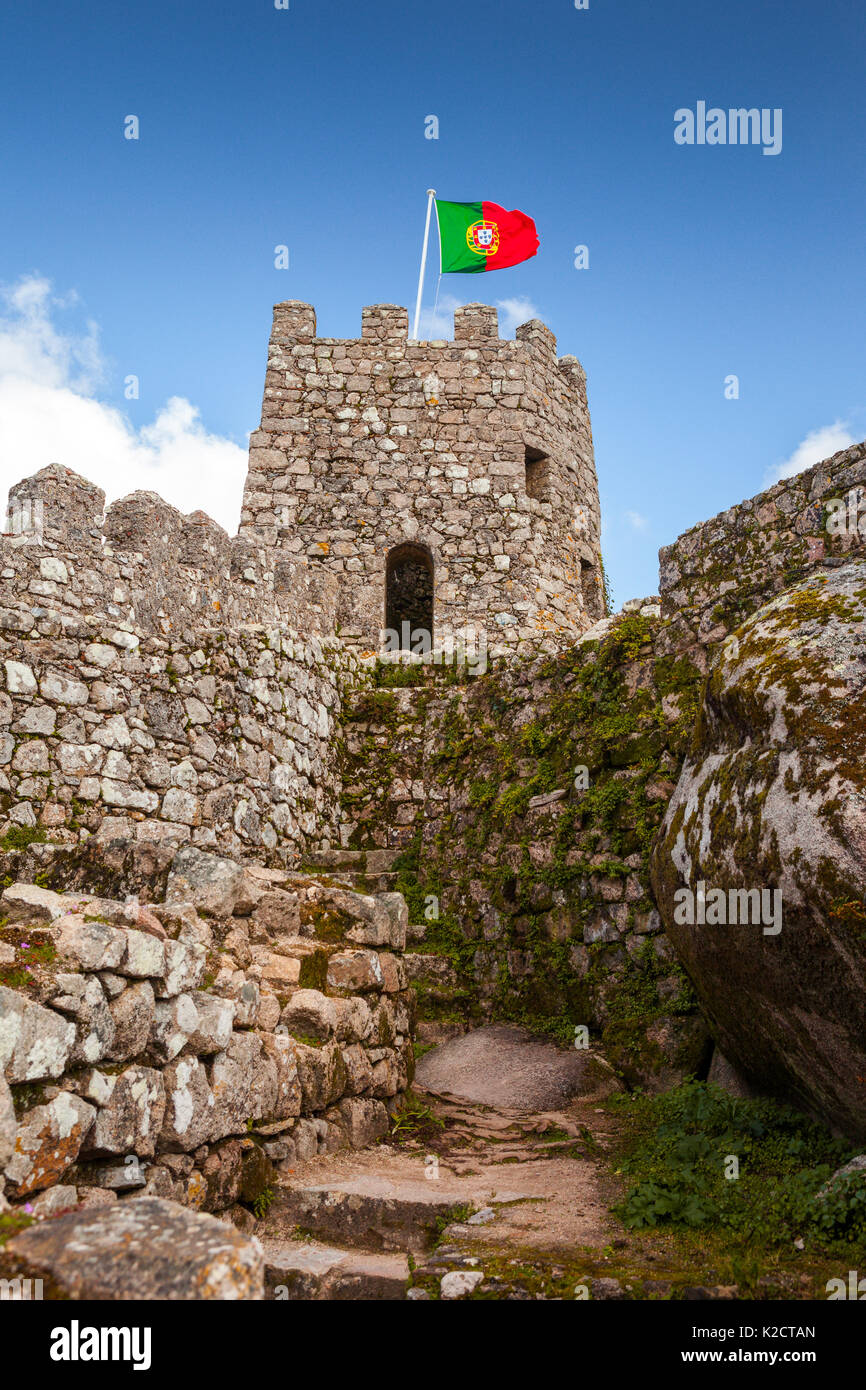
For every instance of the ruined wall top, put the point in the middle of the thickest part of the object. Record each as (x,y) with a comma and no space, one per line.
(295,323)
(365,444)
(718,572)
(142,563)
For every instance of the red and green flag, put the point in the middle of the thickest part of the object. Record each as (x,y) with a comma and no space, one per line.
(483,236)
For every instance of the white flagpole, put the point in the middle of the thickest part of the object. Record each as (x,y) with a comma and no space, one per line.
(431,194)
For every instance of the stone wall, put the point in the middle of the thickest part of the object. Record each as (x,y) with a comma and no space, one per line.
(144,563)
(154,680)
(370,443)
(197,1047)
(525,803)
(718,573)
(163,686)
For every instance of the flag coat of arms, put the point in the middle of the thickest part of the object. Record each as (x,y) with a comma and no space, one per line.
(476,237)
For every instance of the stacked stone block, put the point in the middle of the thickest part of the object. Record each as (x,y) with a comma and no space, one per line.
(153,682)
(199,1047)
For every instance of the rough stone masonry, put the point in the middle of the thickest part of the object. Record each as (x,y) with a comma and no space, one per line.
(175,714)
(477,453)
(175,1022)
(197,1048)
(165,682)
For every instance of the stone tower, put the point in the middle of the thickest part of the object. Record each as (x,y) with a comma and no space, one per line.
(448,486)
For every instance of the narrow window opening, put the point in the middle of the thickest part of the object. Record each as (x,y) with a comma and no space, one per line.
(409,599)
(592,590)
(537,474)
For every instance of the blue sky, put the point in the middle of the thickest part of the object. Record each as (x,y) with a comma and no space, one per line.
(305,127)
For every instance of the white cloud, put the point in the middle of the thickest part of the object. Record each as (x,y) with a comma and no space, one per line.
(50,413)
(514,312)
(33,349)
(817,445)
(636,521)
(440,324)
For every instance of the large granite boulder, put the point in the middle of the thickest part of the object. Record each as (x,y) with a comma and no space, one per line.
(142,1248)
(771,803)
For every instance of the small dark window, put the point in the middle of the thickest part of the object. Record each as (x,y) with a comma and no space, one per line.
(593,592)
(409,598)
(537,474)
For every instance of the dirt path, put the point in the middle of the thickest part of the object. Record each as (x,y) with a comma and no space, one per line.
(497,1183)
(510,1188)
(547,1157)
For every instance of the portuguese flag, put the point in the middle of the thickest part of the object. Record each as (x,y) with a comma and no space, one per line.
(483,236)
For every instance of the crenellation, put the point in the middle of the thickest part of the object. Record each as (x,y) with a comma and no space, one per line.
(472,321)
(538,337)
(204,543)
(476,447)
(384,323)
(193,680)
(58,505)
(294,322)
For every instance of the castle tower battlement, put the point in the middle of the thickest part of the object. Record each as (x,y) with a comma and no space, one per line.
(453,473)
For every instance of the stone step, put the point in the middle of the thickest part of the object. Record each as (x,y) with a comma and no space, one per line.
(301,1270)
(335,858)
(368,1212)
(383,883)
(381,861)
(372,862)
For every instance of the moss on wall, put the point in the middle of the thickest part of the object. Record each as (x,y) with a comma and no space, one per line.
(526,802)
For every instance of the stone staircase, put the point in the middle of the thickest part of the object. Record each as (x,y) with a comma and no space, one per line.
(350,1235)
(467,1199)
(347,1230)
(364,870)
(372,871)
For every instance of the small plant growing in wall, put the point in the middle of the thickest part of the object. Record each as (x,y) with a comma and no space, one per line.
(263,1203)
(20,836)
